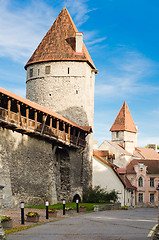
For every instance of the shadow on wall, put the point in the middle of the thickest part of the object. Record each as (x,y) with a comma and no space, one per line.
(76,114)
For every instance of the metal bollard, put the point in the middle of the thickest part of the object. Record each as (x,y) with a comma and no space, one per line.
(77,206)
(22,212)
(47,209)
(64,202)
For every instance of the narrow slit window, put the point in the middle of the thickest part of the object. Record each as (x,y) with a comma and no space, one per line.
(47,70)
(68,70)
(38,72)
(31,72)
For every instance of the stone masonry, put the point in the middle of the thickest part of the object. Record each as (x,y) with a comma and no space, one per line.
(36,170)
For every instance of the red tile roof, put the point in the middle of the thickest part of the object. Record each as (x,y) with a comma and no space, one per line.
(127,182)
(146,153)
(124,121)
(152,166)
(42,109)
(119,147)
(59,43)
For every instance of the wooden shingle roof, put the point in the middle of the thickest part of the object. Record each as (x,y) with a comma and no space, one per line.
(124,121)
(59,43)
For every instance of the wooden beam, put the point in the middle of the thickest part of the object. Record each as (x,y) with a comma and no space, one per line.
(50,121)
(35,118)
(44,121)
(19,114)
(57,125)
(9,107)
(69,133)
(27,117)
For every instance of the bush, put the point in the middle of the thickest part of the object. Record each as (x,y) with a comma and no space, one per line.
(99,195)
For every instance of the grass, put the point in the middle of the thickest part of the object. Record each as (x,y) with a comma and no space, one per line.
(59,206)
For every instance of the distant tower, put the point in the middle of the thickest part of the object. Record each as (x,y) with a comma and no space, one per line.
(123,130)
(61,73)
(61,77)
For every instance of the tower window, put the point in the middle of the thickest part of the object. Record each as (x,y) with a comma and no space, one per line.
(47,70)
(68,70)
(76,91)
(31,72)
(117,134)
(38,72)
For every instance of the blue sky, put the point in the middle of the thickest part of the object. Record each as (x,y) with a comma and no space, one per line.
(122,38)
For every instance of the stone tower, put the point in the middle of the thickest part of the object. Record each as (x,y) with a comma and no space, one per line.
(123,130)
(61,74)
(61,77)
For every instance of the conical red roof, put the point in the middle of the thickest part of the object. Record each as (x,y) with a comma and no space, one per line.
(59,43)
(124,121)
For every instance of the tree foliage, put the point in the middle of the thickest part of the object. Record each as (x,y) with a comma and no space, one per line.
(99,195)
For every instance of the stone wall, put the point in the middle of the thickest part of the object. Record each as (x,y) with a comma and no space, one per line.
(68,89)
(35,170)
(67,92)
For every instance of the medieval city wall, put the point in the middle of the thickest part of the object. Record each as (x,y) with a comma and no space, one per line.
(35,170)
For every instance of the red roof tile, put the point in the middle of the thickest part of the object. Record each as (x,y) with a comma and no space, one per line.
(127,182)
(152,166)
(119,147)
(59,43)
(42,109)
(146,153)
(124,121)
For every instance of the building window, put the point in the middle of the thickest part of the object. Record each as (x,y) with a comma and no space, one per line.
(47,70)
(152,197)
(31,72)
(76,91)
(117,134)
(140,197)
(141,165)
(38,72)
(68,70)
(140,182)
(152,182)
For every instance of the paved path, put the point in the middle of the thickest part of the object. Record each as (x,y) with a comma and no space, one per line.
(107,225)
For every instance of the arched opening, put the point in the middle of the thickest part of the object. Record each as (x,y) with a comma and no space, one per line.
(76,197)
(140,182)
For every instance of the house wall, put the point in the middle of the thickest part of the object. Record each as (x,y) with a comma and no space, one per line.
(121,159)
(33,170)
(104,176)
(146,190)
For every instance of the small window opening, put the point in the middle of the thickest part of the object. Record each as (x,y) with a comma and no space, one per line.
(47,70)
(68,70)
(38,72)
(76,91)
(31,72)
(49,94)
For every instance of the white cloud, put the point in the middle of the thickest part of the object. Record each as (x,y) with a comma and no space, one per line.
(21,29)
(79,10)
(124,75)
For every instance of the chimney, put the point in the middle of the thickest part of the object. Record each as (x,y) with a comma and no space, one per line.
(79,42)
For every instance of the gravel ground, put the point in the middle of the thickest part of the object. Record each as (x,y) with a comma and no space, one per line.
(15,215)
